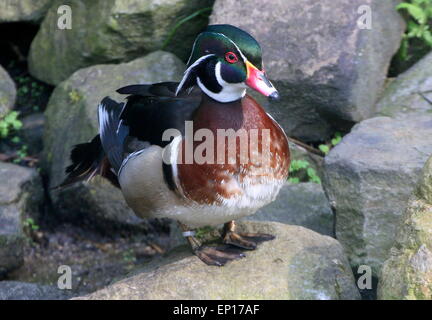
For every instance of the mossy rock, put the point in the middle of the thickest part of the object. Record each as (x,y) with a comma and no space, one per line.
(298,264)
(410,92)
(7,92)
(407,274)
(111,31)
(23,10)
(21,194)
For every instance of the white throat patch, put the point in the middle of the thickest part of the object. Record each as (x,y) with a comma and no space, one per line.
(230,91)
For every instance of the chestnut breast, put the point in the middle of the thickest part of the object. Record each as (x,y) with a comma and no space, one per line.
(261,154)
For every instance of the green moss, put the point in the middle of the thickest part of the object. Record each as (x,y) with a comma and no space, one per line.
(113,24)
(74,96)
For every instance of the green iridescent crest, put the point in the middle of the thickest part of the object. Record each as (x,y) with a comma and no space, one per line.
(222,38)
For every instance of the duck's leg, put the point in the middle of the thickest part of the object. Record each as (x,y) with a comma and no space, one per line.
(212,256)
(243,240)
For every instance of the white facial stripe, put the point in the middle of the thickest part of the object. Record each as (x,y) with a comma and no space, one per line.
(230,91)
(188,70)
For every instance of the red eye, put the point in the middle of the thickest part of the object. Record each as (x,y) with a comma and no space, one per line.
(231,57)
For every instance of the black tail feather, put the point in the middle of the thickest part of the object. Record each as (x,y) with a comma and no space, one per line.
(103,155)
(113,131)
(86,162)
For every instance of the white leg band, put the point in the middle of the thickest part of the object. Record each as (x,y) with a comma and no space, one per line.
(188,233)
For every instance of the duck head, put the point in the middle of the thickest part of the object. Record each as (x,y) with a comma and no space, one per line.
(225,60)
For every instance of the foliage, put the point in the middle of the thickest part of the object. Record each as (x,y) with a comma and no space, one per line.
(313,176)
(202,233)
(26,85)
(298,168)
(21,153)
(129,256)
(9,123)
(325,148)
(29,91)
(418,25)
(203,11)
(30,224)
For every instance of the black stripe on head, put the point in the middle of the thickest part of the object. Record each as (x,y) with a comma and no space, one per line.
(207,75)
(190,76)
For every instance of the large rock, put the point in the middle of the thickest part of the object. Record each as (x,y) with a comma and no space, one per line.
(71,118)
(7,92)
(368,179)
(15,290)
(32,131)
(298,264)
(410,92)
(329,70)
(21,193)
(23,10)
(303,204)
(107,31)
(407,274)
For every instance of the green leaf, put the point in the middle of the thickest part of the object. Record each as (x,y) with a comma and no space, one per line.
(403,50)
(181,22)
(313,177)
(324,148)
(415,11)
(294,180)
(9,121)
(336,139)
(414,30)
(297,165)
(427,37)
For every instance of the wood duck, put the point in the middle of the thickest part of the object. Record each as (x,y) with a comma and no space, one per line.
(133,152)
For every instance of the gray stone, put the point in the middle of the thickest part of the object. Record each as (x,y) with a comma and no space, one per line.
(7,92)
(303,204)
(298,264)
(32,131)
(329,70)
(369,177)
(21,194)
(23,10)
(71,118)
(15,290)
(410,92)
(112,31)
(407,274)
